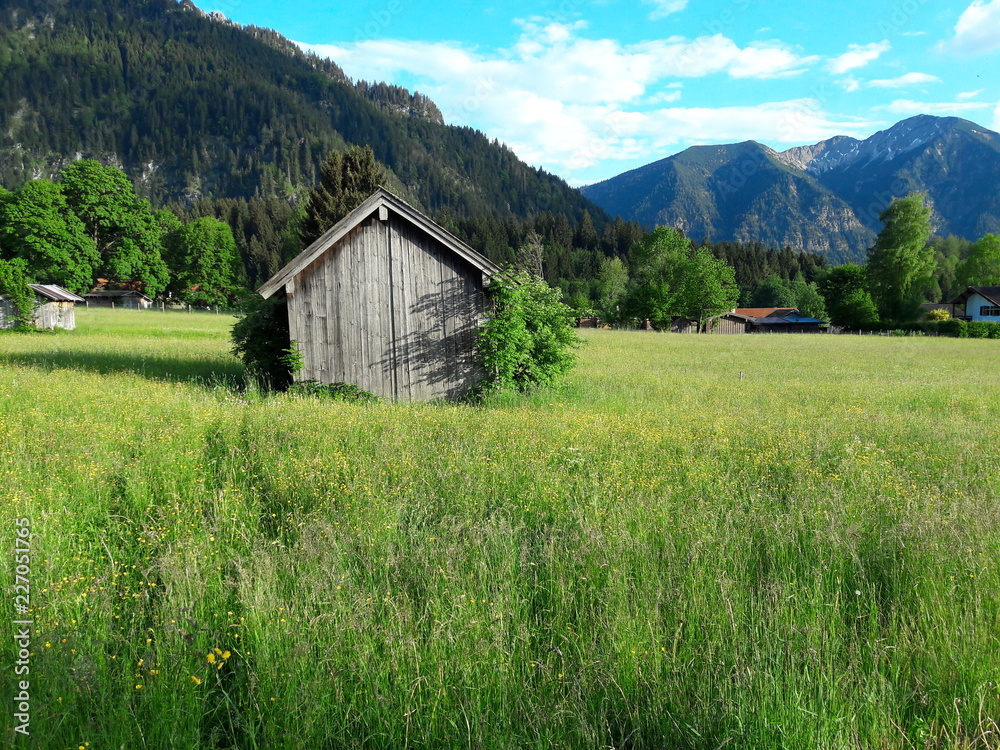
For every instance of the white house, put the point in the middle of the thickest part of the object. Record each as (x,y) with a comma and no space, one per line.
(981,303)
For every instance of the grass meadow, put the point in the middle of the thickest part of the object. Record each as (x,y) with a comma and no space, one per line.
(662,553)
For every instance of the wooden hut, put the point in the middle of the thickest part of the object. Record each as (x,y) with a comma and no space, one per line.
(389,301)
(54,308)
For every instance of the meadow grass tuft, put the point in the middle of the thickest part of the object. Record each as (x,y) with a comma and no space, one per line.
(659,554)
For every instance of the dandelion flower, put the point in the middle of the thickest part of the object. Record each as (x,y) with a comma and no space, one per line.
(195,680)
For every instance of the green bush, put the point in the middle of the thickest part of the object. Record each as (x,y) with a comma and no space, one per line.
(981,329)
(261,339)
(14,285)
(951,327)
(334,391)
(529,339)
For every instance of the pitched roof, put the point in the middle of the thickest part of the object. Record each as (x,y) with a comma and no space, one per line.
(764,312)
(793,319)
(379,199)
(55,293)
(115,293)
(991,293)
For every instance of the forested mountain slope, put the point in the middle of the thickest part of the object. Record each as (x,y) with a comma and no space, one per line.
(192,106)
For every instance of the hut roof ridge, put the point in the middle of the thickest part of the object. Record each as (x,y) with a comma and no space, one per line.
(381,197)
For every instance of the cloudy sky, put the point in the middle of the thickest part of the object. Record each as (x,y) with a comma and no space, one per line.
(590,88)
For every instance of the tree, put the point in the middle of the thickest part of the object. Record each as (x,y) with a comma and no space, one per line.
(127,236)
(203,262)
(612,283)
(778,292)
(530,255)
(656,264)
(37,225)
(708,286)
(671,279)
(347,180)
(982,267)
(901,264)
(845,290)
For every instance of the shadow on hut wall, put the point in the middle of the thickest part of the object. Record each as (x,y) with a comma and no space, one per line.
(440,356)
(208,373)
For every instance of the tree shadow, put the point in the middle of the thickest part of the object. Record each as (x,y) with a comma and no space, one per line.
(439,356)
(210,373)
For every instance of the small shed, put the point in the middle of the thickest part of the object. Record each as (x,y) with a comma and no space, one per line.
(980,303)
(54,308)
(684,325)
(389,301)
(730,323)
(127,298)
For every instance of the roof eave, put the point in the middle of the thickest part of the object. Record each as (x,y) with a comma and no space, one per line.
(338,231)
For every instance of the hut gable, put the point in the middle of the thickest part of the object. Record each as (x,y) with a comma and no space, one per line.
(387,300)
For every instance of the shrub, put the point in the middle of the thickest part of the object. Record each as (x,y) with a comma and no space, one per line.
(14,285)
(529,339)
(335,391)
(982,329)
(952,327)
(261,339)
(938,315)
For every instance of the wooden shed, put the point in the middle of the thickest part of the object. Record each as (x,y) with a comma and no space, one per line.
(54,308)
(389,301)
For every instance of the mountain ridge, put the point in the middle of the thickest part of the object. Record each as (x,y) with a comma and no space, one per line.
(841,182)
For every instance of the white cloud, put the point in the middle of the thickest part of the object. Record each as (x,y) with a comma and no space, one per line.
(910,107)
(857,56)
(568,102)
(666,8)
(909,79)
(850,83)
(977,31)
(966,95)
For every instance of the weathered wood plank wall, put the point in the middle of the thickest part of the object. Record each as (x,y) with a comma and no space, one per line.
(390,311)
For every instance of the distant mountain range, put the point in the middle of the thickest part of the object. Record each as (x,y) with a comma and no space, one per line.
(825,198)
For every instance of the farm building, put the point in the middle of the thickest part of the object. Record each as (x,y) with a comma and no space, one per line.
(54,308)
(779,320)
(127,298)
(728,323)
(389,301)
(981,303)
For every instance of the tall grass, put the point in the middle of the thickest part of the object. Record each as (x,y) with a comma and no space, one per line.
(661,554)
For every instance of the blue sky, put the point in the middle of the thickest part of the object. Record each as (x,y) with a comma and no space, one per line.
(587,89)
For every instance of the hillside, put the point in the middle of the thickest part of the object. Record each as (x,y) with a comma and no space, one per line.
(741,192)
(193,106)
(826,197)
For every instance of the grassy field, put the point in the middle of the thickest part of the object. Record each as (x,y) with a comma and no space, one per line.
(697,542)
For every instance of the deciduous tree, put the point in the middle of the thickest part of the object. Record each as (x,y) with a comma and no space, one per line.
(982,267)
(204,262)
(37,225)
(901,264)
(671,279)
(127,236)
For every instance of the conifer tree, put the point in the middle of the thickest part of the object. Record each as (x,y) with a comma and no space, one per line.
(347,181)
